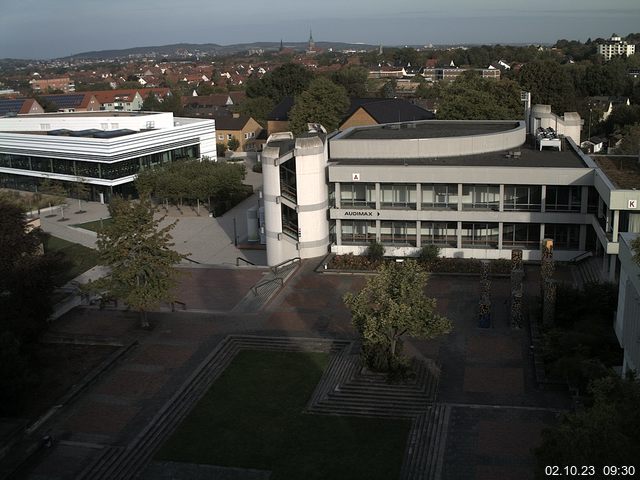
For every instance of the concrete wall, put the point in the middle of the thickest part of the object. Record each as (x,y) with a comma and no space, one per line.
(627,321)
(84,121)
(569,125)
(429,147)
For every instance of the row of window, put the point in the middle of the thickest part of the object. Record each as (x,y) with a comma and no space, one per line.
(475,197)
(108,171)
(445,234)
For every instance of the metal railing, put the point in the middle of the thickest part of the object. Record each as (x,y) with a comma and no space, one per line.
(238,259)
(258,285)
(582,256)
(281,265)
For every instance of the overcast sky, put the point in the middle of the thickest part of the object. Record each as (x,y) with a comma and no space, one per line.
(56,28)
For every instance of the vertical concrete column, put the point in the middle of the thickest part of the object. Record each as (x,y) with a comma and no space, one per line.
(336,192)
(418,236)
(459,234)
(418,196)
(543,198)
(582,245)
(338,232)
(501,202)
(378,237)
(542,232)
(612,267)
(584,199)
(377,195)
(616,225)
(500,226)
(459,200)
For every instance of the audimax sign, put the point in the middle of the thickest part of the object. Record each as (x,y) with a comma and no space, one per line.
(361,213)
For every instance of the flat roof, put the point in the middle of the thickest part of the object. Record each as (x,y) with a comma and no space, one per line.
(428,129)
(529,157)
(622,170)
(101,113)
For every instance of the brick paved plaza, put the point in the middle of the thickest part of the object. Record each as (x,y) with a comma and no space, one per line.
(497,411)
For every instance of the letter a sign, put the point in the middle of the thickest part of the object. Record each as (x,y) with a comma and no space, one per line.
(355,177)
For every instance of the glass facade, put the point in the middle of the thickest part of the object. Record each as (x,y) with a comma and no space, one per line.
(442,234)
(398,233)
(480,197)
(565,237)
(357,232)
(521,235)
(398,196)
(440,196)
(524,198)
(479,235)
(358,195)
(103,170)
(563,199)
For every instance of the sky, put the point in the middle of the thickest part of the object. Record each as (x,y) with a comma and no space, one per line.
(57,28)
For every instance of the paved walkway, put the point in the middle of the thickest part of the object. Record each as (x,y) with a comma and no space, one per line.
(497,413)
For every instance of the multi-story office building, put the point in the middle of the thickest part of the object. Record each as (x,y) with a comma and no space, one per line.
(474,188)
(615,46)
(106,150)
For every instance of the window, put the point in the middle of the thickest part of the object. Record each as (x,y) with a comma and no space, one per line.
(398,196)
(440,196)
(563,199)
(357,232)
(565,237)
(45,126)
(521,235)
(357,195)
(220,137)
(522,197)
(290,222)
(480,235)
(229,136)
(480,197)
(115,126)
(398,233)
(442,234)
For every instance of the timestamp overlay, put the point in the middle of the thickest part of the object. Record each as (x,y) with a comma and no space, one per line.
(600,472)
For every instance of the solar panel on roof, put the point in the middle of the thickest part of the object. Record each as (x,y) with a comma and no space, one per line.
(10,106)
(65,101)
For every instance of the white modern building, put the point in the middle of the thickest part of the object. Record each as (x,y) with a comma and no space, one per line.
(106,150)
(615,46)
(627,324)
(473,188)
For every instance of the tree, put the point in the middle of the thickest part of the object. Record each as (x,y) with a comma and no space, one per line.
(233,144)
(630,144)
(257,108)
(287,80)
(354,80)
(151,103)
(139,256)
(606,433)
(392,304)
(471,97)
(323,102)
(81,191)
(550,84)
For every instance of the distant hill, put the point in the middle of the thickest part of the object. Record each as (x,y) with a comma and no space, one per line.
(184,49)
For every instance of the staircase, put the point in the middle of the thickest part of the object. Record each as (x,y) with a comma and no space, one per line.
(265,289)
(587,271)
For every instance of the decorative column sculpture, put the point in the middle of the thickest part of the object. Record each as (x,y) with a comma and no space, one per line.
(484,308)
(548,286)
(517,277)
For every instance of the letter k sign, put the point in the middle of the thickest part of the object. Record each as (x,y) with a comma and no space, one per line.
(633,204)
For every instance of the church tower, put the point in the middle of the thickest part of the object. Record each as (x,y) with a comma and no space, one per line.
(311,48)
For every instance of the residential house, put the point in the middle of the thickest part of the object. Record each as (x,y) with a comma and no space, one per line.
(64,84)
(119,100)
(19,106)
(242,128)
(74,102)
(615,46)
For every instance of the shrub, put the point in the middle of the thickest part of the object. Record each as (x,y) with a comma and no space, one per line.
(257,167)
(428,253)
(375,252)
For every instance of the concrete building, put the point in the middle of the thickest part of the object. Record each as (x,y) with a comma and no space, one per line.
(627,323)
(473,188)
(105,150)
(615,46)
(19,106)
(65,84)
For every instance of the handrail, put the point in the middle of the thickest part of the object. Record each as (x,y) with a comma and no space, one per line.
(581,257)
(244,260)
(254,289)
(275,268)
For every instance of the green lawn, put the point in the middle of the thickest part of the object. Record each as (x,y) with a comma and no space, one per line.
(252,418)
(95,225)
(79,257)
